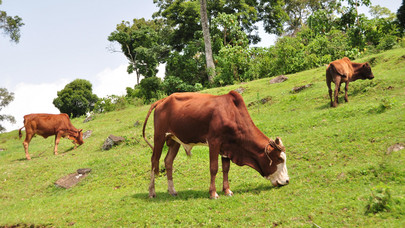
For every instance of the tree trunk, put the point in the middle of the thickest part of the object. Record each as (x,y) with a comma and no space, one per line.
(207,41)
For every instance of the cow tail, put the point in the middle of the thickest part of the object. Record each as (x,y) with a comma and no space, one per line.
(19,133)
(153,106)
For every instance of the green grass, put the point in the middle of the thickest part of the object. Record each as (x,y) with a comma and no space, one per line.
(337,161)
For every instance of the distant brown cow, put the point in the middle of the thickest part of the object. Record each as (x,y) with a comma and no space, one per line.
(223,124)
(46,125)
(343,70)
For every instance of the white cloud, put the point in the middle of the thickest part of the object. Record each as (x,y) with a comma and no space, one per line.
(113,81)
(31,98)
(38,98)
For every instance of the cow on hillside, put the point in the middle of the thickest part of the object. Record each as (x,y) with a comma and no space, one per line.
(343,70)
(223,124)
(46,125)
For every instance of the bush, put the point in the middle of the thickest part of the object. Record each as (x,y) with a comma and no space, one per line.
(110,103)
(173,84)
(387,42)
(149,88)
(76,99)
(379,201)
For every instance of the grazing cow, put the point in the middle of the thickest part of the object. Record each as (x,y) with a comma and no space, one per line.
(343,70)
(46,125)
(223,124)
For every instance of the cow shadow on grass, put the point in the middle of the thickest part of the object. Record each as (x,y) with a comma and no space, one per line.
(201,194)
(166,197)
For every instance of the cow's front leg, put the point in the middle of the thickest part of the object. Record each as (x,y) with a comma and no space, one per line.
(226,164)
(75,145)
(213,171)
(57,139)
(346,88)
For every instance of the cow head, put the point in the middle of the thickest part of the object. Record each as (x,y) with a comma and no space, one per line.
(278,163)
(76,136)
(366,71)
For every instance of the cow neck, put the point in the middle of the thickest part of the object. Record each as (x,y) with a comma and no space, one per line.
(256,149)
(356,71)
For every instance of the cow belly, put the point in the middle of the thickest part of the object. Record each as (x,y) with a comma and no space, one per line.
(186,146)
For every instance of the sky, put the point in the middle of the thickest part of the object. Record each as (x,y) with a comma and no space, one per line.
(67,39)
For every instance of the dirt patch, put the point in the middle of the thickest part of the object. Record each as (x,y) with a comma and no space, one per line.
(72,179)
(300,88)
(261,101)
(394,148)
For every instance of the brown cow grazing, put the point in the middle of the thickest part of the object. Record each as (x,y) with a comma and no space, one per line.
(223,124)
(343,70)
(46,125)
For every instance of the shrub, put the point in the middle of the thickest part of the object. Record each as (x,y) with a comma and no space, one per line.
(379,201)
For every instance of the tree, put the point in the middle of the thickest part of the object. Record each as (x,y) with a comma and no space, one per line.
(5,99)
(76,98)
(207,41)
(143,43)
(11,25)
(401,16)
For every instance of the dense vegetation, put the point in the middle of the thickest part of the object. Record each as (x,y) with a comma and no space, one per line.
(313,33)
(342,174)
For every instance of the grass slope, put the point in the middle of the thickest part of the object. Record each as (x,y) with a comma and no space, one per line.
(337,162)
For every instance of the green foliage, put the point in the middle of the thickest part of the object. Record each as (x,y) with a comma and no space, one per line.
(401,17)
(110,103)
(11,25)
(5,99)
(173,84)
(143,43)
(76,98)
(149,88)
(188,65)
(379,201)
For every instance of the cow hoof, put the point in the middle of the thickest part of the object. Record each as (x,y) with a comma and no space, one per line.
(216,196)
(151,196)
(173,193)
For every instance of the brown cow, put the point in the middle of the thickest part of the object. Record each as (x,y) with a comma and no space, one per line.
(343,70)
(223,124)
(46,125)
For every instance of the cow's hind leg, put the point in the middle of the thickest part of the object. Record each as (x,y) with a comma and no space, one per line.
(214,152)
(346,88)
(157,152)
(26,143)
(226,164)
(171,155)
(336,94)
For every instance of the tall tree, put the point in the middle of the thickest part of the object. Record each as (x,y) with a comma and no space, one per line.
(5,99)
(401,16)
(143,43)
(76,99)
(207,41)
(11,25)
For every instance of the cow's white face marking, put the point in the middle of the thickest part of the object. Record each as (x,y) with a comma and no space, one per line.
(280,177)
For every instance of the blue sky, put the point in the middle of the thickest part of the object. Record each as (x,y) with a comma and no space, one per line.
(67,39)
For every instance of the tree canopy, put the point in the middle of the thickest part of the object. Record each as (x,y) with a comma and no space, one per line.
(11,25)
(143,43)
(76,98)
(5,99)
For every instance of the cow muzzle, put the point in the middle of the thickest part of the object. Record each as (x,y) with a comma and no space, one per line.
(280,176)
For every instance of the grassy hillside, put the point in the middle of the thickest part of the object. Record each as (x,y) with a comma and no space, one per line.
(337,161)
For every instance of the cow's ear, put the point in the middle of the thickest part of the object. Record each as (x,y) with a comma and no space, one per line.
(80,130)
(366,65)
